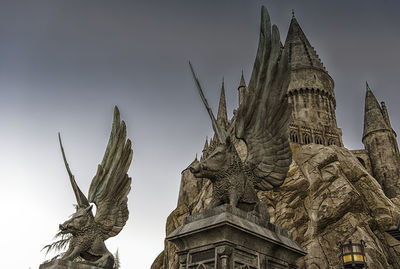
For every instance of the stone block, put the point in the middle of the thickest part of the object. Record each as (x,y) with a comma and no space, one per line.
(228,238)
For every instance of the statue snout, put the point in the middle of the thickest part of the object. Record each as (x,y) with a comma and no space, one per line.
(64,226)
(195,168)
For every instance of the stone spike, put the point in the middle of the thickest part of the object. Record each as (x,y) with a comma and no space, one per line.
(205,144)
(222,116)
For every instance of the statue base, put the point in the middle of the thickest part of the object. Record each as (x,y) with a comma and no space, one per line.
(229,238)
(60,264)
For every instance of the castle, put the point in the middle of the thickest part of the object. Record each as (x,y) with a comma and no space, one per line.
(311,92)
(330,194)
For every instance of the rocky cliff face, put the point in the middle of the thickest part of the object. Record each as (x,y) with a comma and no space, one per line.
(328,197)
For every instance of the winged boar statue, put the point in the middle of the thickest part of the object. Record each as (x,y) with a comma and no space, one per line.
(261,122)
(108,191)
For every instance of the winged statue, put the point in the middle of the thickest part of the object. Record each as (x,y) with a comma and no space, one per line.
(261,124)
(108,191)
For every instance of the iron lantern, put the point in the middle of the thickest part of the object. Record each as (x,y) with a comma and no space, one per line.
(353,255)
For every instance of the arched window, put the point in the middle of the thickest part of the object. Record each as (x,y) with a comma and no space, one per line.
(306,139)
(318,140)
(294,137)
(201,266)
(331,142)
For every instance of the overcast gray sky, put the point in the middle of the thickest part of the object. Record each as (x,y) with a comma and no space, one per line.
(65,64)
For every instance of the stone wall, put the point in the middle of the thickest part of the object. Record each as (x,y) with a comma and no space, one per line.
(363,157)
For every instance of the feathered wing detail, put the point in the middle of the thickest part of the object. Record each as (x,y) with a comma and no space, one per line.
(264,118)
(111,184)
(80,197)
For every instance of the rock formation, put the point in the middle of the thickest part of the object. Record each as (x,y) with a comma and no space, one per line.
(328,197)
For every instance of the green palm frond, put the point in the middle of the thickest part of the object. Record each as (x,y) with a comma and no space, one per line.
(58,245)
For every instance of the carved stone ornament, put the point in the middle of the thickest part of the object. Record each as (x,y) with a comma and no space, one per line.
(108,191)
(261,122)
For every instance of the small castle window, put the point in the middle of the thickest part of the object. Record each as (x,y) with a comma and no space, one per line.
(294,137)
(318,140)
(331,142)
(306,139)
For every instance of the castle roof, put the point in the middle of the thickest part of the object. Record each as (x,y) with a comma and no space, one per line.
(222,116)
(242,81)
(373,116)
(301,53)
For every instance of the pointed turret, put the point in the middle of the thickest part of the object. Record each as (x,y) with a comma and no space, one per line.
(373,117)
(380,142)
(242,89)
(301,53)
(222,117)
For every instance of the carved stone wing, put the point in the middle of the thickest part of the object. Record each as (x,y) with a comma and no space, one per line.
(264,117)
(111,184)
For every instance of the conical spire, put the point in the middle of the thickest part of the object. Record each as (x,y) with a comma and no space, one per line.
(222,117)
(242,81)
(242,89)
(373,116)
(301,53)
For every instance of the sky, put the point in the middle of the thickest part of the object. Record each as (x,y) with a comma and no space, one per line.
(65,64)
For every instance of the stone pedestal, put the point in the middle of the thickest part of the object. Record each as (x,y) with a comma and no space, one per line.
(229,238)
(60,264)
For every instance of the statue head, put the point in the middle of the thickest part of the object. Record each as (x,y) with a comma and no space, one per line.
(79,221)
(222,161)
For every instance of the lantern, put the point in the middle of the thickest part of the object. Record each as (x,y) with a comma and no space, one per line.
(353,255)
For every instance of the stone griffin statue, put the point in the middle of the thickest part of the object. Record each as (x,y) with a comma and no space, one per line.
(261,122)
(108,191)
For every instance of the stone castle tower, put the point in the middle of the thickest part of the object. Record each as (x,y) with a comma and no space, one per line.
(311,91)
(381,154)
